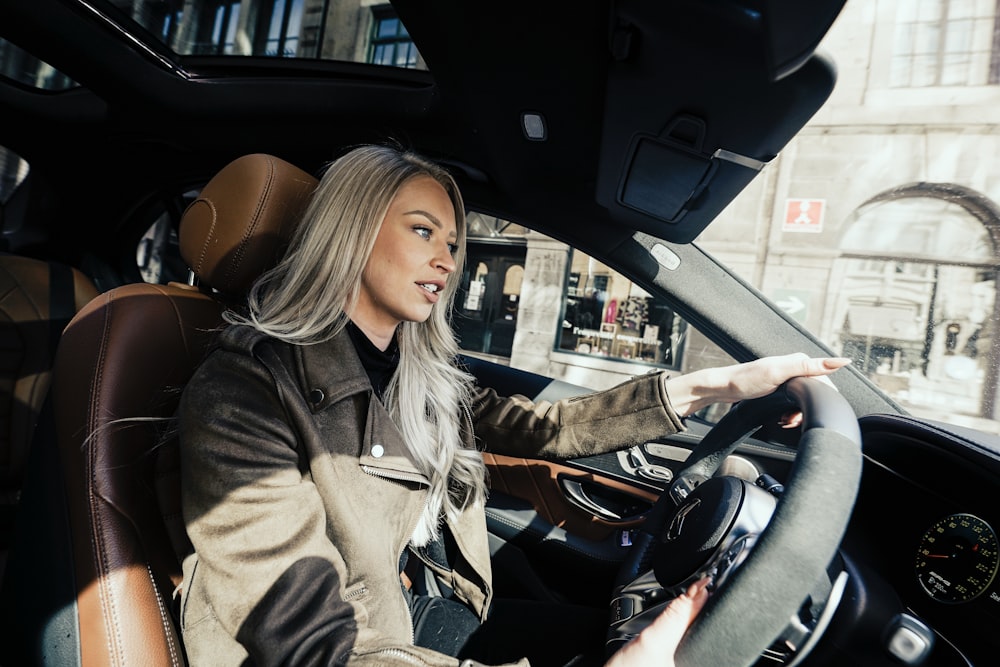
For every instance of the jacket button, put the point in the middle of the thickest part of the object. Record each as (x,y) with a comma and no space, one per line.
(378,451)
(316,396)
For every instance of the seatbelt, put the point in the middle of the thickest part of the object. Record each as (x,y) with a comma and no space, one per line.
(62,302)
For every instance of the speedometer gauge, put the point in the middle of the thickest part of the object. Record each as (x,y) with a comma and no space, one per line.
(957,558)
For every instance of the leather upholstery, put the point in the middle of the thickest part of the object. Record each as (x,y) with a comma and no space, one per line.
(120,368)
(241,222)
(37,300)
(125,355)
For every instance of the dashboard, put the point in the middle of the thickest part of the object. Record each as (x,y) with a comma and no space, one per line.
(926,522)
(923,537)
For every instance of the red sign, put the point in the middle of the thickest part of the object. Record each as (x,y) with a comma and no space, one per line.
(804,215)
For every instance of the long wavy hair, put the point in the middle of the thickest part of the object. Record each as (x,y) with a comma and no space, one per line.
(306,297)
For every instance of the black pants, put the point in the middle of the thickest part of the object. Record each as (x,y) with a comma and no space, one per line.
(549,635)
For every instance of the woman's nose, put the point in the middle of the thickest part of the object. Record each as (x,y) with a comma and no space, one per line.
(445,261)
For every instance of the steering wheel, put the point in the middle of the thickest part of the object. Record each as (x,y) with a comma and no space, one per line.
(768,555)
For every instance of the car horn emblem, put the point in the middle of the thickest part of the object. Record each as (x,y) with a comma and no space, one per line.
(677,523)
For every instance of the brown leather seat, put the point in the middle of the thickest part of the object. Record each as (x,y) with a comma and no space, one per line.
(37,300)
(120,367)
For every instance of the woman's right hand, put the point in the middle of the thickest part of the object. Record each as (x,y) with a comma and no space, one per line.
(656,644)
(739,382)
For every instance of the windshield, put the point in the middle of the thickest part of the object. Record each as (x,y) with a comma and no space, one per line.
(876,228)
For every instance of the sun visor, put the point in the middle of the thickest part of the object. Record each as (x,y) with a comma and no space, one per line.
(721,96)
(666,175)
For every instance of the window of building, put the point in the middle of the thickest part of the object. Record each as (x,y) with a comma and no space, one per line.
(231,27)
(390,42)
(607,315)
(283,31)
(944,43)
(327,30)
(214,29)
(486,307)
(163,19)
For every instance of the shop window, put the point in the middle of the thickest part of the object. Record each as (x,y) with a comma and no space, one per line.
(486,309)
(607,315)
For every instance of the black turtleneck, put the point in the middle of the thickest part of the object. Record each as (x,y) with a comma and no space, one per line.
(378,364)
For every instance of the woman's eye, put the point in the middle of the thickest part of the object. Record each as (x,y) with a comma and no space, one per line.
(453,248)
(424,232)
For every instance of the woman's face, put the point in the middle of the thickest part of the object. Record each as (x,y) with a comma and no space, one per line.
(411,261)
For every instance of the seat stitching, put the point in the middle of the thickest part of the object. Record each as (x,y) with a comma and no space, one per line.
(208,237)
(163,618)
(254,221)
(108,608)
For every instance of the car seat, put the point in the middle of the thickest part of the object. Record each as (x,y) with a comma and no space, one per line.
(37,300)
(95,570)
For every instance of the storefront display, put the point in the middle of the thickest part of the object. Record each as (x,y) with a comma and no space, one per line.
(607,315)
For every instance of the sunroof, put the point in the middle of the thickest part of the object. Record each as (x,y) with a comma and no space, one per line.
(360,31)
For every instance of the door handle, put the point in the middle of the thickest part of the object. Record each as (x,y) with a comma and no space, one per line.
(606,503)
(578,496)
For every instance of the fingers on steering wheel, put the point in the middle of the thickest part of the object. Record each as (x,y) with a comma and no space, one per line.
(790,419)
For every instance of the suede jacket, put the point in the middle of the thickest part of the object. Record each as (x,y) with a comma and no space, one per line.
(299,497)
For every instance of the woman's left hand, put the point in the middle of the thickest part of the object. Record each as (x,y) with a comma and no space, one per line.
(729,384)
(656,644)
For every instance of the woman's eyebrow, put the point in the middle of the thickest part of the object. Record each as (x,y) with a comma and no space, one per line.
(433,220)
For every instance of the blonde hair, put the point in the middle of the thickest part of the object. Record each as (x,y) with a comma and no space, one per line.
(306,297)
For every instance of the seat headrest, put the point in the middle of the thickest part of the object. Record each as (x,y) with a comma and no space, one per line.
(240,224)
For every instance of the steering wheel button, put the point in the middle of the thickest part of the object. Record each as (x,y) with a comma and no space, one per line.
(622,609)
(910,640)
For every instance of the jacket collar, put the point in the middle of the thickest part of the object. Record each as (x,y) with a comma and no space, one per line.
(332,367)
(332,372)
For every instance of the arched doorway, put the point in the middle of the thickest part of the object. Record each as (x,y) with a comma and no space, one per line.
(915,297)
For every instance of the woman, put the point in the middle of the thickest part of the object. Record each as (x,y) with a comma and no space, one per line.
(329,437)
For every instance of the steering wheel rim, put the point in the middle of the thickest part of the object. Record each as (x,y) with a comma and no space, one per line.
(793,552)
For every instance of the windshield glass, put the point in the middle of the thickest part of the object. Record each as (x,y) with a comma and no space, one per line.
(876,228)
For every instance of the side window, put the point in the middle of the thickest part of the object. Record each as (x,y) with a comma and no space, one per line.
(536,304)
(158,254)
(13,170)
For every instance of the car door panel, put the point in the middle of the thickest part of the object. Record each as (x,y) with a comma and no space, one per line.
(560,529)
(583,503)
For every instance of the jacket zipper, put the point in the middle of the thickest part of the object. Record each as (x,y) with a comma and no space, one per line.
(471,426)
(357,593)
(402,655)
(375,472)
(399,476)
